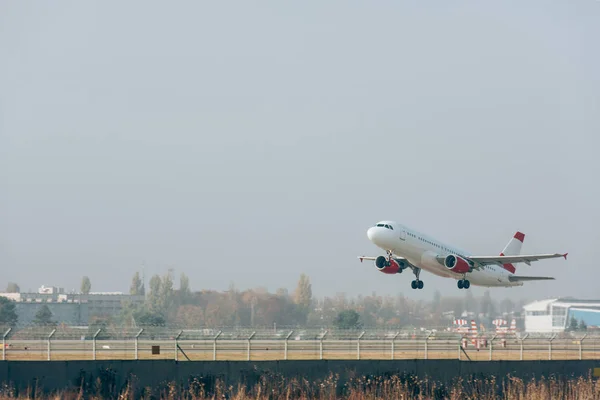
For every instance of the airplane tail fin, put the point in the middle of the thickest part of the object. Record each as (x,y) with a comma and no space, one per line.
(513,248)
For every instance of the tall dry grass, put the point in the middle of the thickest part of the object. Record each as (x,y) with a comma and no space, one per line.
(329,389)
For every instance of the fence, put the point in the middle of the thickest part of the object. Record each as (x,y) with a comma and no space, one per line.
(72,343)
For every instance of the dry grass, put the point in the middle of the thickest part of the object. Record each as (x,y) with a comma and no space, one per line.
(362,388)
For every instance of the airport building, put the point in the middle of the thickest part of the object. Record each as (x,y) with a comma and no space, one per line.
(554,315)
(69,308)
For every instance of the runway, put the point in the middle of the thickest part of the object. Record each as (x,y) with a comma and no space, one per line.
(182,350)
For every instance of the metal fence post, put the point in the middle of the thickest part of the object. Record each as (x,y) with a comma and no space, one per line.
(136,342)
(285,348)
(215,345)
(249,339)
(521,342)
(459,348)
(177,345)
(550,347)
(94,343)
(321,345)
(50,337)
(358,345)
(427,344)
(393,344)
(4,343)
(580,346)
(491,346)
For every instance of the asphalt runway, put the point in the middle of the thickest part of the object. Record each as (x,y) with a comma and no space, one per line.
(296,350)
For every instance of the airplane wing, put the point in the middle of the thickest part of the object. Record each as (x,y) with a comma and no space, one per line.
(368,258)
(527,259)
(514,278)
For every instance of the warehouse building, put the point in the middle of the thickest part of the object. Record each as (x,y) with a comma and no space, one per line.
(70,308)
(554,315)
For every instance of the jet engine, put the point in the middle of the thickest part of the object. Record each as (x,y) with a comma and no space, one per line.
(388,266)
(457,264)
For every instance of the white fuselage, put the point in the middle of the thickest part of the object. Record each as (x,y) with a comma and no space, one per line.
(423,251)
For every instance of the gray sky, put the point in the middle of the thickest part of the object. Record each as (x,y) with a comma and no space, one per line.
(245,142)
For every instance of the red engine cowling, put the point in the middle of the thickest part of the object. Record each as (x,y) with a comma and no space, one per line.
(457,264)
(387,266)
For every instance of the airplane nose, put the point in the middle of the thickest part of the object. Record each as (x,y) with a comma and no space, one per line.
(371,233)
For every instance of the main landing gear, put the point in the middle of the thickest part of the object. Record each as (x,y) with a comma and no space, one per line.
(463,284)
(417,283)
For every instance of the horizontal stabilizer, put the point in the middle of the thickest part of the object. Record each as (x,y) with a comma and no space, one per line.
(529,278)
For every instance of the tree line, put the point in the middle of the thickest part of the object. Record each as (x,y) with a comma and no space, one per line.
(166,304)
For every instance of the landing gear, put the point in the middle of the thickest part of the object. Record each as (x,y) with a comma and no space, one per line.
(463,284)
(417,283)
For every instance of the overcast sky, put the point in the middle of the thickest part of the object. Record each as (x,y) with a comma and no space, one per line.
(251,142)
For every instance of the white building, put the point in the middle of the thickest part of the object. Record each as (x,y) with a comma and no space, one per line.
(70,308)
(554,315)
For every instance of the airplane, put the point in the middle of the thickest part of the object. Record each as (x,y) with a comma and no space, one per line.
(407,248)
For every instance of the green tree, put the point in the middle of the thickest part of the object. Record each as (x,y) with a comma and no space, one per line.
(43,316)
(154,303)
(507,306)
(582,325)
(166,292)
(137,286)
(184,289)
(573,324)
(12,288)
(487,305)
(86,285)
(347,319)
(146,317)
(469,301)
(8,315)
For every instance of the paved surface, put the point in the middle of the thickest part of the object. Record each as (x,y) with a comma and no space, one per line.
(296,350)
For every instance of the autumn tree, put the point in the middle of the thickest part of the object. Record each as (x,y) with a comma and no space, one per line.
(137,286)
(12,288)
(86,285)
(303,295)
(189,316)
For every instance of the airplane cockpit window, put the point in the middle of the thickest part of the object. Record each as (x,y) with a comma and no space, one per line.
(385,226)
